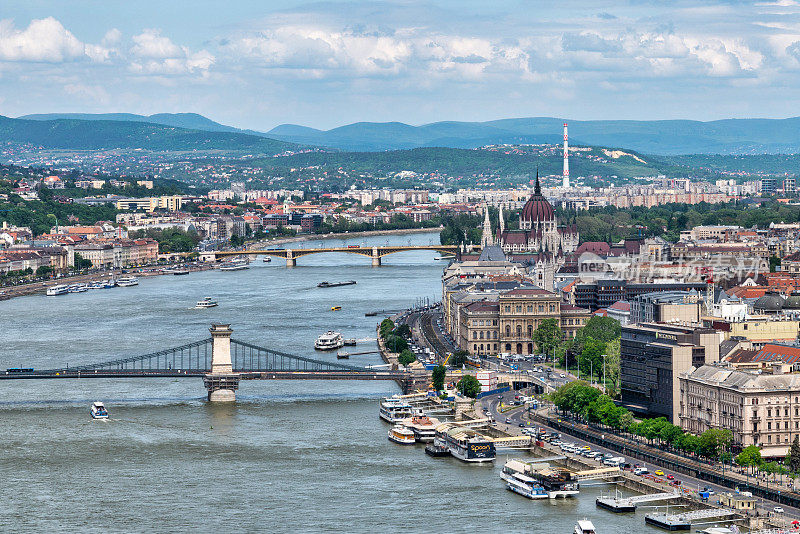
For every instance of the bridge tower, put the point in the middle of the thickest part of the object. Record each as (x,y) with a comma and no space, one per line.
(221,382)
(291,261)
(376,258)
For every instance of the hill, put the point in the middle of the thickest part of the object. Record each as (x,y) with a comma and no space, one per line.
(729,136)
(79,134)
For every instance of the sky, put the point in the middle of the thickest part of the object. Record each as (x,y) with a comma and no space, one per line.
(260,63)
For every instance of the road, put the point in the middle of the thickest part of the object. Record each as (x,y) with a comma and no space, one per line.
(513,422)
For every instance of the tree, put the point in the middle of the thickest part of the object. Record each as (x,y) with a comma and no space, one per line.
(794,456)
(612,366)
(469,386)
(438,376)
(458,358)
(403,330)
(548,335)
(406,357)
(591,358)
(81,263)
(749,457)
(396,343)
(43,270)
(386,328)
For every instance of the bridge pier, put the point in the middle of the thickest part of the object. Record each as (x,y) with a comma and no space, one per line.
(221,383)
(291,261)
(376,259)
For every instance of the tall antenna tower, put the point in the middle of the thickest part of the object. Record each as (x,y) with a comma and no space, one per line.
(565,178)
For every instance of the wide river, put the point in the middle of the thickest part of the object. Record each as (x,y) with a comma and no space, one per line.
(289,456)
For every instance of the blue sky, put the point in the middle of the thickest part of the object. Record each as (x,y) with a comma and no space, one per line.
(257,64)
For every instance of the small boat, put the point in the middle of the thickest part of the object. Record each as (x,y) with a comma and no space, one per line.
(436,450)
(78,288)
(267,259)
(336,308)
(343,355)
(59,289)
(207,302)
(402,435)
(128,281)
(336,284)
(96,285)
(108,284)
(235,265)
(180,272)
(330,340)
(584,526)
(98,411)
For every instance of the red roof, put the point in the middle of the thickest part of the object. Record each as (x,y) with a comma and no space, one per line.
(772,352)
(521,292)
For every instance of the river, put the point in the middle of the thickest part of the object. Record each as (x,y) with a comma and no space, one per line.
(289,456)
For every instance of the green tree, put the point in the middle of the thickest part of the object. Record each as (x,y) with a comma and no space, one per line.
(591,358)
(438,376)
(548,335)
(469,386)
(403,330)
(396,343)
(458,358)
(81,262)
(44,270)
(386,328)
(749,457)
(406,357)
(794,456)
(613,366)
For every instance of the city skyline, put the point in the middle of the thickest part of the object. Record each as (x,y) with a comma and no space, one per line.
(325,64)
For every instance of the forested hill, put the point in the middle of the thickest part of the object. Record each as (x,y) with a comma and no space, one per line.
(78,134)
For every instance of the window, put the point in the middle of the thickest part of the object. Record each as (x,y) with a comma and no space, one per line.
(530,308)
(508,333)
(541,308)
(508,308)
(530,330)
(769,412)
(769,426)
(519,329)
(519,309)
(481,334)
(474,335)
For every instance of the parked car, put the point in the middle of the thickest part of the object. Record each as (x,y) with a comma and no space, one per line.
(659,472)
(670,477)
(778,509)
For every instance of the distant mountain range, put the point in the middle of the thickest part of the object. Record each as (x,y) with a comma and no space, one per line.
(669,137)
(186,132)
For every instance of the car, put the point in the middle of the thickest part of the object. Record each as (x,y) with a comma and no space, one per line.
(659,472)
(508,421)
(586,448)
(499,397)
(778,509)
(522,425)
(670,477)
(563,375)
(676,482)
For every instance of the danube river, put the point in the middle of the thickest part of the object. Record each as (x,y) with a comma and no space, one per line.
(293,456)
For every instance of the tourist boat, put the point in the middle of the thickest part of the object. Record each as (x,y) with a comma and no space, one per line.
(336,308)
(402,435)
(559,483)
(98,411)
(394,409)
(437,449)
(466,444)
(336,284)
(180,272)
(59,289)
(525,486)
(78,288)
(207,302)
(423,427)
(267,259)
(128,281)
(96,285)
(235,265)
(108,284)
(584,526)
(330,340)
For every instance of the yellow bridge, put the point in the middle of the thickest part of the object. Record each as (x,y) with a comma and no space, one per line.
(376,253)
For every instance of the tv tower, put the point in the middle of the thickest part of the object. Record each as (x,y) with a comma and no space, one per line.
(565,178)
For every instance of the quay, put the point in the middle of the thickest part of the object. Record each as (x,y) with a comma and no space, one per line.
(684,520)
(628,504)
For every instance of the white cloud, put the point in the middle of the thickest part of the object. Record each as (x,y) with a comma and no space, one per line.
(156,54)
(44,40)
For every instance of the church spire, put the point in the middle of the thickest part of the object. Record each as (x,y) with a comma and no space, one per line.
(502,221)
(486,238)
(538,190)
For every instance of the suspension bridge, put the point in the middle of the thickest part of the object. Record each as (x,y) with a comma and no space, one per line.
(376,253)
(222,363)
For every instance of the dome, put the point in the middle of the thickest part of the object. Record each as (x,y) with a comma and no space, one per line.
(538,209)
(793,302)
(769,302)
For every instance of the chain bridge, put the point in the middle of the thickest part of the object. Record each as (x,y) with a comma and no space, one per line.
(222,363)
(376,253)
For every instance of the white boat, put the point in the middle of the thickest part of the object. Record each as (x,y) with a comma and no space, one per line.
(59,289)
(235,265)
(267,259)
(99,411)
(207,302)
(394,409)
(525,486)
(423,427)
(402,435)
(108,284)
(330,340)
(78,288)
(96,285)
(128,281)
(466,444)
(584,526)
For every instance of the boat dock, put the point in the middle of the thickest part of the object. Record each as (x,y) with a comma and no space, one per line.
(512,442)
(683,521)
(628,504)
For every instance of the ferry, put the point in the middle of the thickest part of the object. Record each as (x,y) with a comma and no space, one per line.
(330,340)
(466,444)
(336,284)
(584,526)
(235,265)
(394,409)
(402,435)
(78,288)
(525,486)
(128,281)
(423,427)
(60,289)
(207,302)
(559,483)
(98,411)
